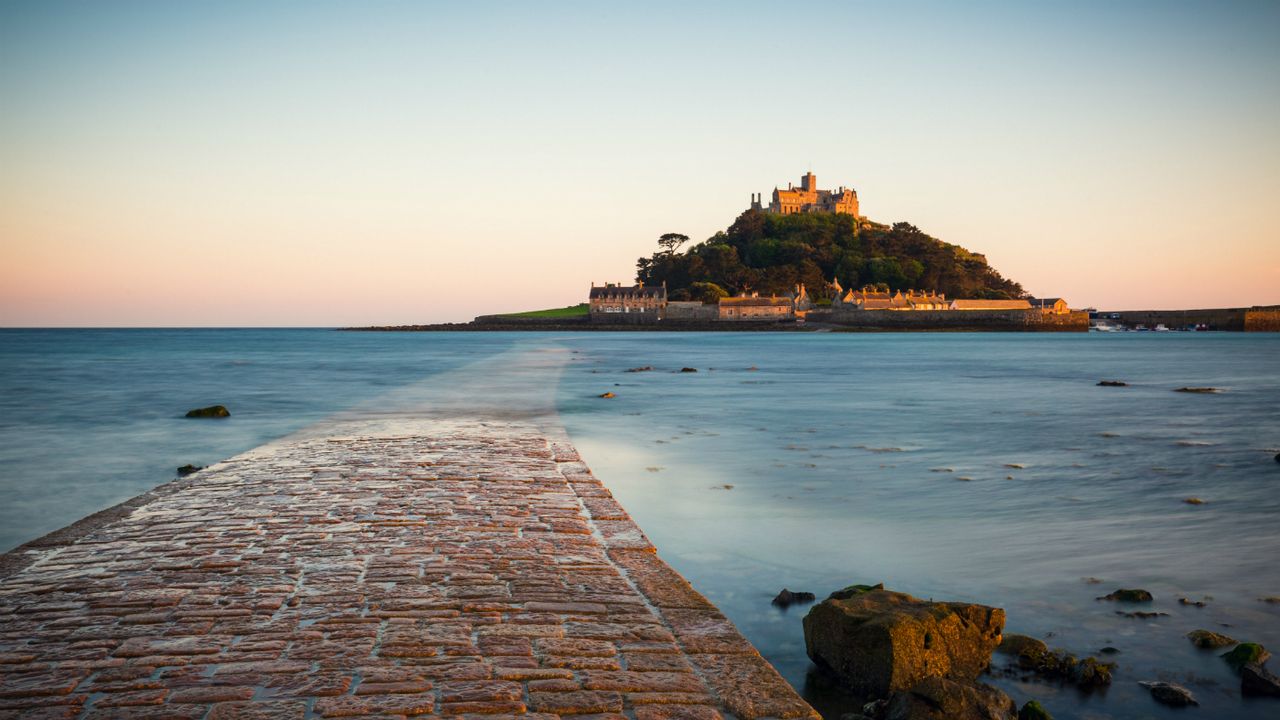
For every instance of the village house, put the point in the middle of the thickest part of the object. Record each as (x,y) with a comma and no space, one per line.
(633,303)
(809,199)
(754,307)
(869,298)
(1050,306)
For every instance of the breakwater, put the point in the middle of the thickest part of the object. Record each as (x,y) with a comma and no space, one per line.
(450,555)
(1258,318)
(971,320)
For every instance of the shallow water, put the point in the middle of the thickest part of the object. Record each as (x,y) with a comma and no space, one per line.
(983,468)
(845,455)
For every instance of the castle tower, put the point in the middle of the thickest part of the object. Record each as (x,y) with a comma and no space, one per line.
(809,183)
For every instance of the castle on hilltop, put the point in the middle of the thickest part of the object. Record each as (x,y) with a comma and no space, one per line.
(809,199)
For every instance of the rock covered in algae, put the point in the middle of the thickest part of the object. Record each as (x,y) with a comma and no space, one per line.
(937,698)
(1209,640)
(1128,595)
(1245,653)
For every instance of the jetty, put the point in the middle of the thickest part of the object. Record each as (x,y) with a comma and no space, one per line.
(446,553)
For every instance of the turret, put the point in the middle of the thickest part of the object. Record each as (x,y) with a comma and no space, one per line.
(809,182)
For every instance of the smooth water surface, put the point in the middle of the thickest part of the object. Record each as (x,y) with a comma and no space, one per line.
(89,418)
(978,467)
(985,468)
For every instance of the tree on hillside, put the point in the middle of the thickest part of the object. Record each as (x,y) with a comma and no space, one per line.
(773,253)
(670,242)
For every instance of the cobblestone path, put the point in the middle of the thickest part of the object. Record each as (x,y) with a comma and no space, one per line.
(469,569)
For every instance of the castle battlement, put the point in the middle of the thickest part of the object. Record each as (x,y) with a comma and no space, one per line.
(809,199)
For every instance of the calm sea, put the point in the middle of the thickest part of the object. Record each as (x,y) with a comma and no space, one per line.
(977,467)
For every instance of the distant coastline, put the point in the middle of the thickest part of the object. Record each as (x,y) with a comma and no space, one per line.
(1257,318)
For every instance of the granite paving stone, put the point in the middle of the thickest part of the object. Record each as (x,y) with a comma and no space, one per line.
(454,567)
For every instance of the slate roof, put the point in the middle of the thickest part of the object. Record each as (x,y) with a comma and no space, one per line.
(991,304)
(755,301)
(631,291)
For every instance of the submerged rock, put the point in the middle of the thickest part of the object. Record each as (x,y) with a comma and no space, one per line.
(645,368)
(1197,390)
(1245,653)
(878,641)
(1028,650)
(1257,680)
(186,470)
(1193,603)
(786,598)
(688,369)
(1034,655)
(1193,501)
(1123,595)
(213,411)
(1112,383)
(1170,694)
(1209,640)
(1033,711)
(936,698)
(607,395)
(1141,614)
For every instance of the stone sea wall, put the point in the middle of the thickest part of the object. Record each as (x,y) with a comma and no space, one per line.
(984,320)
(1262,319)
(1216,319)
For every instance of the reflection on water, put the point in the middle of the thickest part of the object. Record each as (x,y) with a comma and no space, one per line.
(983,468)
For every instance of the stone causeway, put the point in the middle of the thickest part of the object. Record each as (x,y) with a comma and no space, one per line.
(465,568)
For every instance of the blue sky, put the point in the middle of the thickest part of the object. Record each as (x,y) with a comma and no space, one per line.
(338,163)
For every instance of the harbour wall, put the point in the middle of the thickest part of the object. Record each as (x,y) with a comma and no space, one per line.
(1262,319)
(1215,319)
(983,320)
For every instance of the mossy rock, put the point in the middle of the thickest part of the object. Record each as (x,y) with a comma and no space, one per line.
(1245,653)
(852,590)
(186,470)
(1033,711)
(213,411)
(1029,651)
(1209,639)
(1090,673)
(1128,595)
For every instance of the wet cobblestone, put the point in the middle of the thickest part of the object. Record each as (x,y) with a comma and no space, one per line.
(447,569)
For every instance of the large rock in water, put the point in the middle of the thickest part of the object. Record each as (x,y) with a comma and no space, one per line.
(213,411)
(878,641)
(936,698)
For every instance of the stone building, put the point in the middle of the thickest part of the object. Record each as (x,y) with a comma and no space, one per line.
(754,307)
(633,303)
(809,199)
(1052,306)
(869,298)
(990,305)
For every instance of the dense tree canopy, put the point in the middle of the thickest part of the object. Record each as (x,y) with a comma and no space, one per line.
(772,253)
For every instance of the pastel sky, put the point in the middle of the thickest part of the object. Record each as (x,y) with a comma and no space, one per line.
(339,163)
